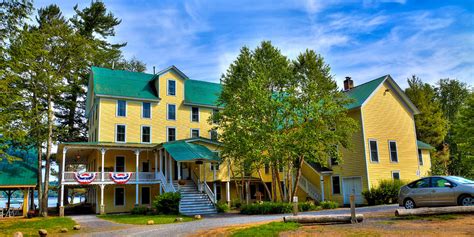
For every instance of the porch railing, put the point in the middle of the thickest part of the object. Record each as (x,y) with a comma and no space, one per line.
(309,188)
(142,177)
(203,187)
(209,193)
(167,187)
(70,177)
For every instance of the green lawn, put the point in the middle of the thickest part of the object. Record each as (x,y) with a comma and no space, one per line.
(30,227)
(143,219)
(270,229)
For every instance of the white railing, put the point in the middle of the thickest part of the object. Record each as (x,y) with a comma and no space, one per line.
(203,187)
(146,176)
(69,177)
(209,193)
(309,188)
(196,180)
(167,187)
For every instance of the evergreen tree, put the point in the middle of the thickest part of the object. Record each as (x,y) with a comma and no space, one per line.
(463,136)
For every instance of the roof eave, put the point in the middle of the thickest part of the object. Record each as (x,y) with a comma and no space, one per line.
(174,68)
(128,97)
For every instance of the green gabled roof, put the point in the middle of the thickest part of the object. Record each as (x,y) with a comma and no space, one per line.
(423,146)
(19,172)
(123,83)
(186,151)
(361,92)
(201,92)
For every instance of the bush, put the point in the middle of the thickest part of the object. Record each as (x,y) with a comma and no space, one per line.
(385,193)
(307,206)
(167,203)
(266,208)
(141,210)
(329,205)
(222,207)
(236,203)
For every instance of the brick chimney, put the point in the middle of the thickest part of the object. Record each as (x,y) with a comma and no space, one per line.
(348,84)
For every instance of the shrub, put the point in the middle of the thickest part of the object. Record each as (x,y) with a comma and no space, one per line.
(236,203)
(266,208)
(307,206)
(222,207)
(329,205)
(385,193)
(140,210)
(167,203)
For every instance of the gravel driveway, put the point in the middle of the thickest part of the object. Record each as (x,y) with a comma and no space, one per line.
(105,228)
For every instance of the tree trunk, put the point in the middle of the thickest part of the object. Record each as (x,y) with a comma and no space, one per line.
(40,177)
(274,192)
(298,175)
(289,182)
(264,184)
(236,183)
(247,191)
(434,210)
(277,175)
(44,200)
(323,219)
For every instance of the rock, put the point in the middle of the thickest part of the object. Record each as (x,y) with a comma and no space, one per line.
(18,234)
(76,227)
(178,219)
(42,232)
(63,230)
(197,217)
(150,222)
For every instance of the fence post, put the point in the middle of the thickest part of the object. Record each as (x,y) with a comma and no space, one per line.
(353,211)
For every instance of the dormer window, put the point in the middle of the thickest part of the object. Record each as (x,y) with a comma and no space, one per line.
(172,87)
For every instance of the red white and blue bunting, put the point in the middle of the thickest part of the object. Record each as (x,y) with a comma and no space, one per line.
(85,178)
(121,178)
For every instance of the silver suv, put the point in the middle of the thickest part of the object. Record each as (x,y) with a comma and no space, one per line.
(437,191)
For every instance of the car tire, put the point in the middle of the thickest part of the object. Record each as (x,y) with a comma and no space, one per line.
(409,203)
(466,200)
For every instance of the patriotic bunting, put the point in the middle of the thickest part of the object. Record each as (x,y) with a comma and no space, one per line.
(121,178)
(85,178)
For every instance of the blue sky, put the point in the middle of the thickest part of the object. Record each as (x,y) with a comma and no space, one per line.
(362,39)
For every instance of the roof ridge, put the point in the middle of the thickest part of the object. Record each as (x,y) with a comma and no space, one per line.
(209,82)
(384,77)
(121,70)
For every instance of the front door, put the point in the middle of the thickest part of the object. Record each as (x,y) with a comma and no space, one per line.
(352,186)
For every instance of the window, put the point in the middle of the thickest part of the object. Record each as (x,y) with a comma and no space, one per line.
(194,114)
(393,151)
(145,195)
(146,166)
(213,134)
(120,131)
(336,185)
(146,110)
(420,157)
(374,152)
(396,175)
(171,134)
(334,161)
(119,196)
(120,164)
(171,87)
(121,108)
(267,169)
(171,112)
(437,182)
(146,134)
(422,183)
(215,113)
(194,133)
(216,166)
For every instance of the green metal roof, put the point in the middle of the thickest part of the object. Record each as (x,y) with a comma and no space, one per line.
(361,92)
(423,146)
(19,172)
(201,92)
(187,151)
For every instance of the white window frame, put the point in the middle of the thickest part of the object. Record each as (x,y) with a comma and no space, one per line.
(213,165)
(124,163)
(396,172)
(168,87)
(124,196)
(117,109)
(168,113)
(175,133)
(199,114)
(116,126)
(210,134)
(141,195)
(370,151)
(390,151)
(340,185)
(420,157)
(144,110)
(195,129)
(141,133)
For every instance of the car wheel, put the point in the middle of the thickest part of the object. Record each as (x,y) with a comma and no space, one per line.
(466,201)
(409,204)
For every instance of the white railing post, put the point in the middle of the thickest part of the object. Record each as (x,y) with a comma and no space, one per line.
(137,155)
(322,187)
(63,169)
(215,185)
(156,165)
(102,207)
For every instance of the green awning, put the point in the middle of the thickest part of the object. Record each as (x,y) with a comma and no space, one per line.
(21,172)
(186,151)
(424,146)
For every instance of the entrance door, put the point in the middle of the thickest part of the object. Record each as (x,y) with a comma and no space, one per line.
(145,195)
(352,186)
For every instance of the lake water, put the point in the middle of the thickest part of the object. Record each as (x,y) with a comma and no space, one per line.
(52,201)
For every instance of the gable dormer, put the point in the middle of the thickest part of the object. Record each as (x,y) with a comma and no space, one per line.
(165,75)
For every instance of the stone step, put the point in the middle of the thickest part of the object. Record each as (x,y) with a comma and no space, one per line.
(199,213)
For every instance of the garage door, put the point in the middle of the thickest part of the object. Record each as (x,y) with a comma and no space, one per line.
(352,186)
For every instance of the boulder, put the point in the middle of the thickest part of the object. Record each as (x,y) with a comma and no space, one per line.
(76,227)
(150,222)
(63,230)
(178,219)
(197,217)
(43,232)
(18,234)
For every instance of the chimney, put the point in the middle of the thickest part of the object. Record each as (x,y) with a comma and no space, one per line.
(154,70)
(348,84)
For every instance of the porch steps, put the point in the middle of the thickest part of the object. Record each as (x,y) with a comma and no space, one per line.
(192,201)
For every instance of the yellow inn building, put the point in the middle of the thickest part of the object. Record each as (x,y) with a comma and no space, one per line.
(147,131)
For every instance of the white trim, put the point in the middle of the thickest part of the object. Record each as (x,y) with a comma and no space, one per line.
(419,153)
(126,98)
(396,172)
(141,133)
(168,89)
(194,129)
(141,195)
(370,151)
(124,196)
(199,114)
(365,149)
(332,185)
(201,105)
(175,112)
(390,151)
(115,138)
(141,112)
(175,133)
(124,163)
(98,121)
(373,92)
(117,109)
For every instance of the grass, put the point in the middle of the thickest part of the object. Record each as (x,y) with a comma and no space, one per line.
(143,219)
(30,227)
(270,229)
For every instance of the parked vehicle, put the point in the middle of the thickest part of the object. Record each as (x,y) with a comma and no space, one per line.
(437,191)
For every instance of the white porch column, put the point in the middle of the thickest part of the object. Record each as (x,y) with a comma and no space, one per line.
(161,161)
(179,169)
(215,185)
(227,187)
(102,151)
(322,187)
(199,178)
(137,155)
(102,207)
(170,168)
(156,165)
(63,169)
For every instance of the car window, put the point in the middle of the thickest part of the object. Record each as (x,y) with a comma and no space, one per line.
(437,182)
(461,180)
(422,183)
